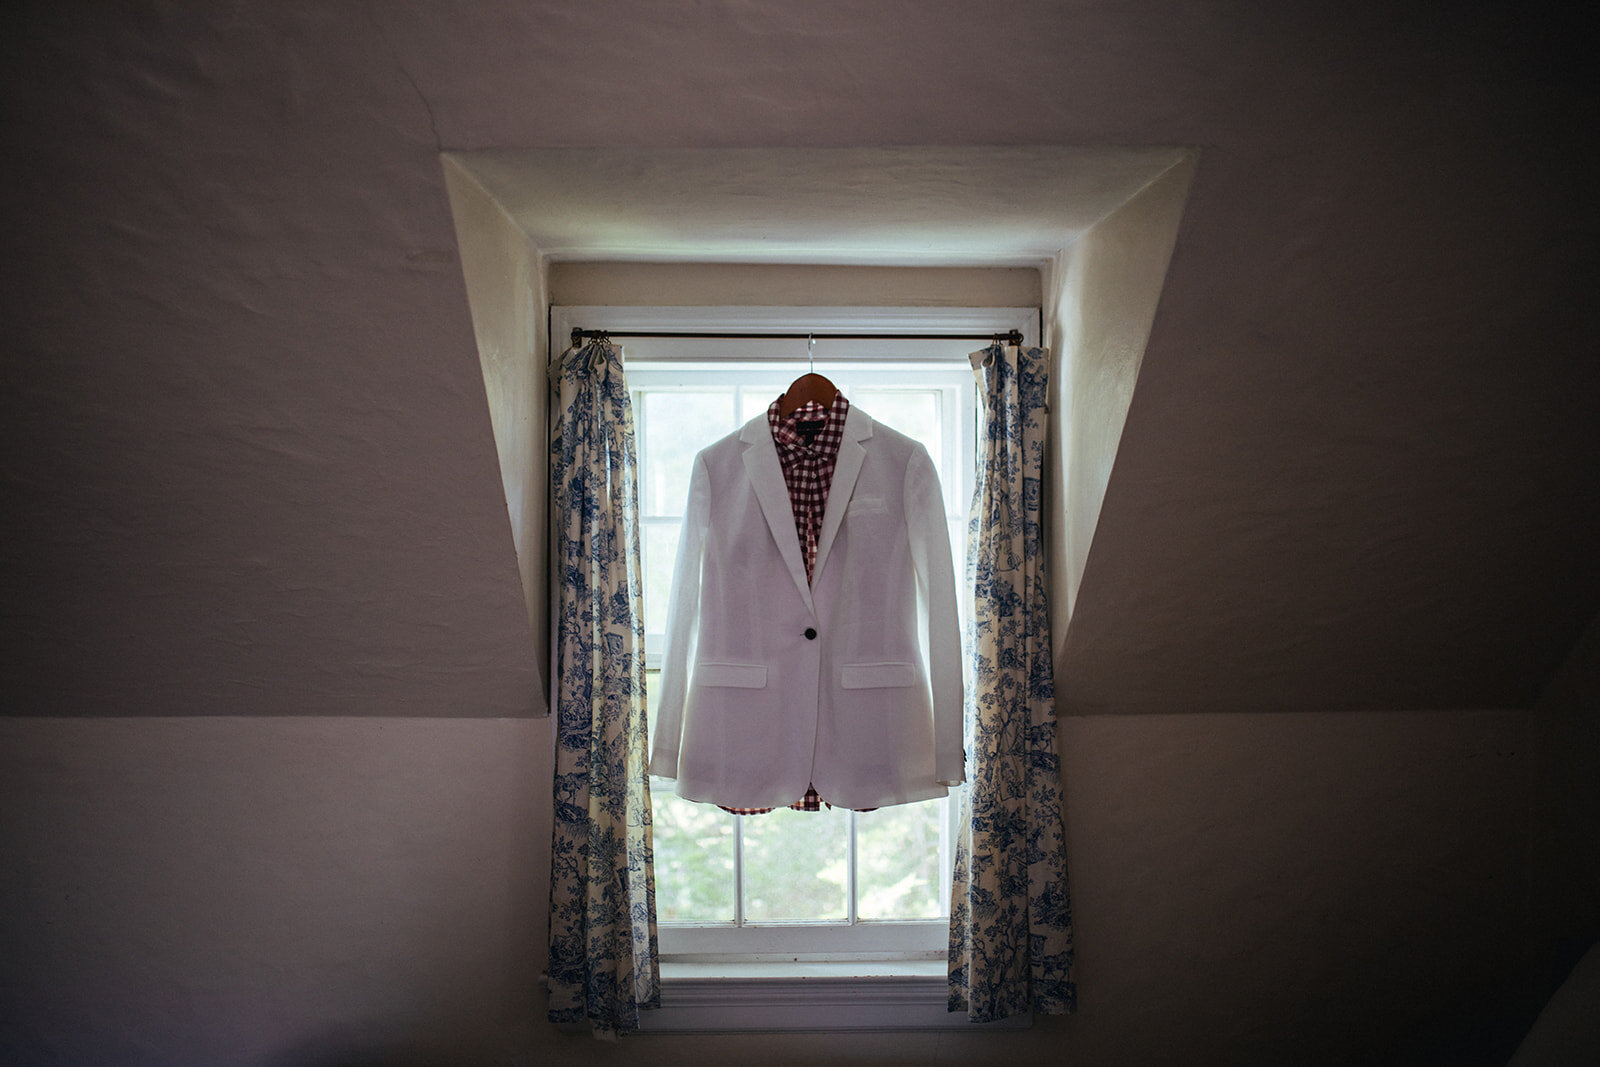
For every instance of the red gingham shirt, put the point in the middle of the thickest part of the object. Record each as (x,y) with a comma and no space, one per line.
(808,450)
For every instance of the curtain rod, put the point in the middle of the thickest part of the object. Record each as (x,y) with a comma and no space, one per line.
(1010,337)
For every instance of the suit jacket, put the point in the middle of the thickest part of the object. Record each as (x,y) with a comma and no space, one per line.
(852,682)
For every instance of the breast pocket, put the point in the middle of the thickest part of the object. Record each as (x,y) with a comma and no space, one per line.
(877,675)
(862,506)
(734,675)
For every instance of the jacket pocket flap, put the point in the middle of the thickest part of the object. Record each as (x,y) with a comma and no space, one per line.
(877,675)
(738,675)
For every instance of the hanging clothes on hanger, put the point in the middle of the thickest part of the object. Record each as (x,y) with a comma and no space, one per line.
(807,438)
(812,642)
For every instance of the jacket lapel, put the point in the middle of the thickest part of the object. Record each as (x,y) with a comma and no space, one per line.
(857,428)
(772,492)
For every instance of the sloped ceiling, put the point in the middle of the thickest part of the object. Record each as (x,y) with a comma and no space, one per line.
(248,467)
(901,206)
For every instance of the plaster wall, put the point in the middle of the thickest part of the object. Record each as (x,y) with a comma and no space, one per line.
(1104,290)
(269,890)
(1567,858)
(248,464)
(1304,887)
(713,284)
(506,281)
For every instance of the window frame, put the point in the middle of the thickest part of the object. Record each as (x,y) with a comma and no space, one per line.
(811,975)
(951,380)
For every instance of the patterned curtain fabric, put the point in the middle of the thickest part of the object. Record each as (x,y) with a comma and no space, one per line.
(603,965)
(1010,915)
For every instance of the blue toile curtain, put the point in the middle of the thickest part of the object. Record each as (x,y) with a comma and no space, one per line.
(1010,913)
(603,966)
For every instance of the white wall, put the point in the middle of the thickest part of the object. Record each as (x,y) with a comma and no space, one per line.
(270,890)
(1104,291)
(506,282)
(1249,888)
(714,284)
(1567,802)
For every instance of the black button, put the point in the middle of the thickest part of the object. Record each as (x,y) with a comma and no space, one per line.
(811,635)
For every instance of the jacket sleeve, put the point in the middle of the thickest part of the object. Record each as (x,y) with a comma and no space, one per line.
(683,625)
(936,588)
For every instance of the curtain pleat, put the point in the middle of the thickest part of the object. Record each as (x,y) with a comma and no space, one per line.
(1011,949)
(603,966)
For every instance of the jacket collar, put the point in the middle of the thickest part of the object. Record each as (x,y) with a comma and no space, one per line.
(857,428)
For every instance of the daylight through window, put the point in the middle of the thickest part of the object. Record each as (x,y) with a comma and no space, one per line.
(788,881)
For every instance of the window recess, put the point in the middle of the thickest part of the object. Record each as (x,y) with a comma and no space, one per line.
(795,920)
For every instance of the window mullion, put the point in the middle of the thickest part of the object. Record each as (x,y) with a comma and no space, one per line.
(947,854)
(850,871)
(738,870)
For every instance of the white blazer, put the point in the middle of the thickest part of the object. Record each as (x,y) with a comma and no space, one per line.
(768,683)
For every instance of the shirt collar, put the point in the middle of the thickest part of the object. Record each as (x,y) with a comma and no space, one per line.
(785,431)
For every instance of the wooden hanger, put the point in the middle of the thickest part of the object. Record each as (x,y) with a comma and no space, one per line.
(809,386)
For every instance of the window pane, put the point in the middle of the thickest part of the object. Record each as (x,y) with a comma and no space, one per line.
(693,847)
(694,858)
(897,862)
(794,865)
(914,412)
(660,553)
(756,400)
(676,426)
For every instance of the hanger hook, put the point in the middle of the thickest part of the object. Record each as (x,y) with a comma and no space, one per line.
(811,358)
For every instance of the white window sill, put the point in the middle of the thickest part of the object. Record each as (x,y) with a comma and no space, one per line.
(701,997)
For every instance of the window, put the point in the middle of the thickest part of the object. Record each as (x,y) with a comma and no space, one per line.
(793,882)
(803,888)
